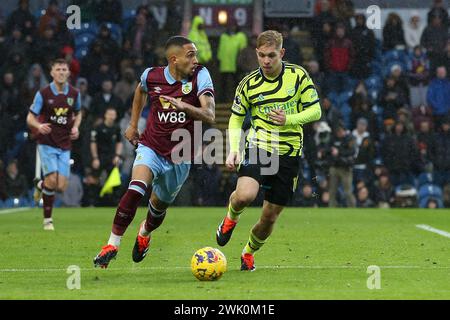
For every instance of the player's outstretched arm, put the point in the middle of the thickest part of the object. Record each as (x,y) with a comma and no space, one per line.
(206,112)
(139,100)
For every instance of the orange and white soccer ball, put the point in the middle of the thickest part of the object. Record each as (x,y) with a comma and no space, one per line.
(208,264)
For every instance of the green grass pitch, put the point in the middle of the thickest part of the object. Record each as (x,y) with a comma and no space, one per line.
(312,254)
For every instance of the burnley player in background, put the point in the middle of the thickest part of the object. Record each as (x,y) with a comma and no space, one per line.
(55,116)
(179,93)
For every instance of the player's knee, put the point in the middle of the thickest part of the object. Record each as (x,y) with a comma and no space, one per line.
(269,219)
(243,199)
(50,182)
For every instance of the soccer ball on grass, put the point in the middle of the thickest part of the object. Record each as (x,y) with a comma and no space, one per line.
(208,264)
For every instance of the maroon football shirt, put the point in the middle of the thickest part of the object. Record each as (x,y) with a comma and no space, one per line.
(163,118)
(59,110)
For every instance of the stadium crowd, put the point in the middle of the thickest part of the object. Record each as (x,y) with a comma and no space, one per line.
(383,140)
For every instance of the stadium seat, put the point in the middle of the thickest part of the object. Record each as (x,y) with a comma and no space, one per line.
(425,178)
(430,190)
(84,39)
(80,53)
(374,82)
(344,97)
(333,97)
(128,18)
(116,32)
(87,27)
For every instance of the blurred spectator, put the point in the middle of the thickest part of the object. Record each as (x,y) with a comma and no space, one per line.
(74,64)
(384,191)
(422,113)
(198,35)
(441,159)
(339,57)
(322,30)
(149,56)
(404,116)
(247,61)
(52,18)
(438,10)
(11,102)
(446,196)
(21,18)
(36,79)
(230,43)
(90,63)
(438,96)
(401,156)
(104,100)
(317,76)
(343,10)
(143,30)
(86,99)
(392,97)
(341,157)
(15,182)
(400,77)
(110,49)
(418,73)
(103,73)
(16,65)
(293,53)
(3,42)
(413,30)
(330,114)
(364,44)
(306,197)
(3,194)
(363,200)
(108,11)
(126,86)
(365,151)
(393,33)
(16,41)
(106,149)
(434,39)
(361,108)
(425,142)
(46,48)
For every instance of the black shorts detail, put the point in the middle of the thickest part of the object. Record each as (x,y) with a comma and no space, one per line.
(278,186)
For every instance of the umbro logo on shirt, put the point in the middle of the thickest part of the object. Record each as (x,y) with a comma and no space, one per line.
(157,89)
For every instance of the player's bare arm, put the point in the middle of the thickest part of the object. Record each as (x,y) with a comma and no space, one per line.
(33,122)
(74,133)
(139,100)
(205,113)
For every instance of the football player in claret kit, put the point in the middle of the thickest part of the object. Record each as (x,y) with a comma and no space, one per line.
(55,117)
(179,93)
(281,98)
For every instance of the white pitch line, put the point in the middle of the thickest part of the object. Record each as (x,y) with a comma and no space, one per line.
(258,267)
(6,211)
(434,230)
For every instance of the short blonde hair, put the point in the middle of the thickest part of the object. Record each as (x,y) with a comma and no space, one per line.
(270,38)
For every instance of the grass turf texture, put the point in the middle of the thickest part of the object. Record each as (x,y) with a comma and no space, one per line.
(312,254)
